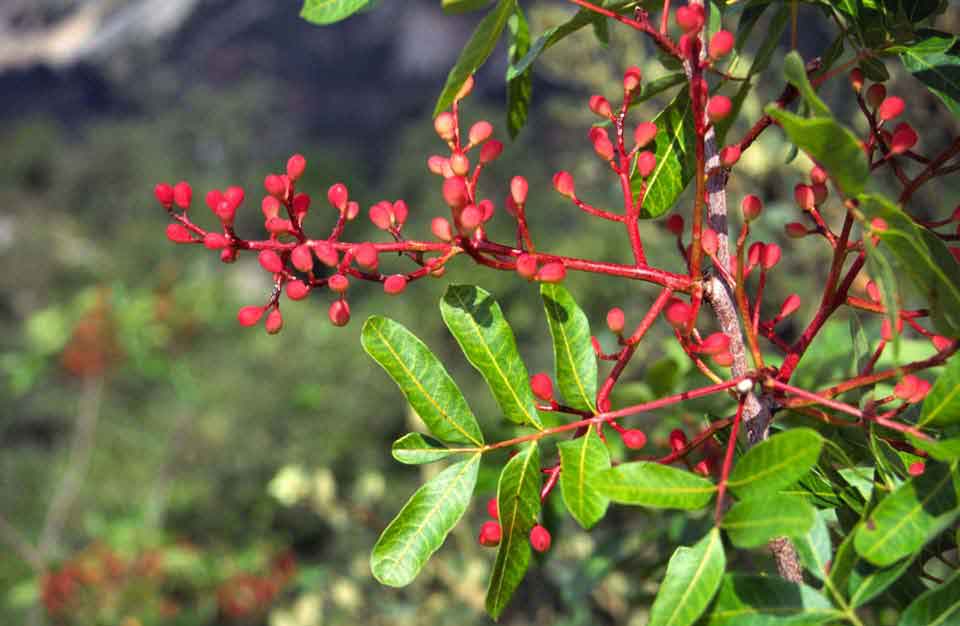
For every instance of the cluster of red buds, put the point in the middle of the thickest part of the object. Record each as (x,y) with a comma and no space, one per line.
(491,532)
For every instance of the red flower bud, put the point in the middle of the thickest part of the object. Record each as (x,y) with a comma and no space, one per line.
(790,305)
(270,206)
(721,44)
(803,195)
(164,194)
(395,284)
(480,132)
(337,196)
(690,18)
(490,151)
(400,212)
(366,256)
(818,175)
(754,252)
(296,166)
(752,207)
(215,241)
(723,359)
(856,79)
(542,386)
(718,107)
(527,266)
(275,186)
(600,106)
(327,254)
(182,194)
(601,143)
(709,241)
(440,227)
(490,534)
(904,138)
(274,322)
(917,468)
(644,133)
(876,94)
(730,155)
(249,315)
(795,230)
(631,79)
(459,164)
(563,183)
(678,440)
(466,88)
(338,283)
(226,212)
(677,312)
(518,190)
(646,162)
(493,509)
(713,344)
(890,108)
(540,538)
(471,217)
(616,320)
(455,192)
(270,261)
(301,204)
(297,289)
(553,272)
(674,224)
(634,439)
(941,343)
(908,387)
(873,292)
(820,193)
(438,164)
(353,210)
(339,313)
(381,215)
(878,224)
(446,126)
(302,258)
(278,226)
(178,233)
(771,256)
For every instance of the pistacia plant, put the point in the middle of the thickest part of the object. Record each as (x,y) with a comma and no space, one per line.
(851,483)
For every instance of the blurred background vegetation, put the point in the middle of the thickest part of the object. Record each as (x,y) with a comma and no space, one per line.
(161,465)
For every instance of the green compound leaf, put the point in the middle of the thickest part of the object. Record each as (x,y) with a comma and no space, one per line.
(476,52)
(923,257)
(776,463)
(654,485)
(814,548)
(422,379)
(942,404)
(518,499)
(947,450)
(754,522)
(910,516)
(829,143)
(939,606)
(476,321)
(934,62)
(693,577)
(573,355)
(415,449)
(768,601)
(676,159)
(421,526)
(868,581)
(795,72)
(520,88)
(581,459)
(330,11)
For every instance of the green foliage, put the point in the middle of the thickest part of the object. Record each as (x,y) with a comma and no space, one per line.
(942,404)
(693,577)
(329,11)
(574,358)
(753,522)
(581,460)
(654,485)
(766,601)
(933,60)
(775,463)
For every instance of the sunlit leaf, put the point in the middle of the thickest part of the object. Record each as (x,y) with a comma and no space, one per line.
(775,463)
(574,358)
(755,521)
(581,459)
(692,578)
(676,160)
(769,601)
(942,404)
(654,485)
(415,449)
(330,11)
(519,88)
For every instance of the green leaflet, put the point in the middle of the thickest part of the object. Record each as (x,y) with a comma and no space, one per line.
(814,548)
(518,499)
(423,523)
(692,578)
(676,159)
(422,379)
(910,516)
(932,62)
(775,463)
(942,404)
(939,606)
(654,485)
(519,88)
(453,7)
(477,323)
(754,522)
(769,601)
(581,459)
(415,449)
(476,52)
(330,11)
(573,355)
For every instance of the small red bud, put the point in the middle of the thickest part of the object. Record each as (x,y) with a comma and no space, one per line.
(856,79)
(709,241)
(702,468)
(327,254)
(339,313)
(459,164)
(563,183)
(820,193)
(437,164)
(182,194)
(752,207)
(907,387)
(754,252)
(441,229)
(518,190)
(803,196)
(771,256)
(302,258)
(723,359)
(226,212)
(878,224)
(674,224)
(455,192)
(634,439)
(689,46)
(381,215)
(941,343)
(890,108)
(527,266)
(215,241)
(337,195)
(789,306)
(540,538)
(274,322)
(213,199)
(631,79)
(395,284)
(730,155)
(301,204)
(164,194)
(873,292)
(795,230)
(644,133)
(366,256)
(690,18)
(480,132)
(553,272)
(917,468)
(876,94)
(616,320)
(601,143)
(275,186)
(721,44)
(296,166)
(677,312)
(490,151)
(178,233)
(445,125)
(353,210)
(338,283)
(297,289)
(542,386)
(249,315)
(818,175)
(678,440)
(490,534)
(713,344)
(228,255)
(278,226)
(270,206)
(471,217)
(493,509)
(466,88)
(904,138)
(270,261)
(646,162)
(400,212)
(600,106)
(718,108)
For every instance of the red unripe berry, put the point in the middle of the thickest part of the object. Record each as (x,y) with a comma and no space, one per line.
(678,440)
(721,44)
(631,79)
(890,108)
(493,509)
(709,241)
(338,283)
(490,534)
(459,164)
(702,468)
(674,224)
(339,313)
(275,186)
(878,224)
(471,217)
(690,18)
(677,312)
(820,193)
(601,143)
(917,468)
(226,212)
(455,192)
(601,107)
(445,126)
(771,256)
(714,344)
(480,132)
(646,162)
(644,133)
(553,272)
(296,166)
(327,254)
(441,229)
(438,165)
(789,306)
(818,175)
(249,315)
(228,255)
(270,261)
(301,204)
(689,46)
(540,538)
(887,332)
(616,320)
(542,386)
(723,359)
(941,343)
(729,156)
(518,190)
(634,439)
(527,266)
(803,195)
(856,79)
(466,88)
(182,194)
(904,138)
(302,258)
(490,151)
(395,284)
(274,322)
(718,107)
(164,194)
(297,289)
(270,207)
(907,387)
(278,226)
(338,195)
(752,207)
(366,256)
(380,215)
(178,233)
(215,241)
(795,230)
(876,94)
(353,210)
(563,183)
(873,292)
(213,199)
(400,212)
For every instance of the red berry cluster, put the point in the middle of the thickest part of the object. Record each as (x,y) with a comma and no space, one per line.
(491,532)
